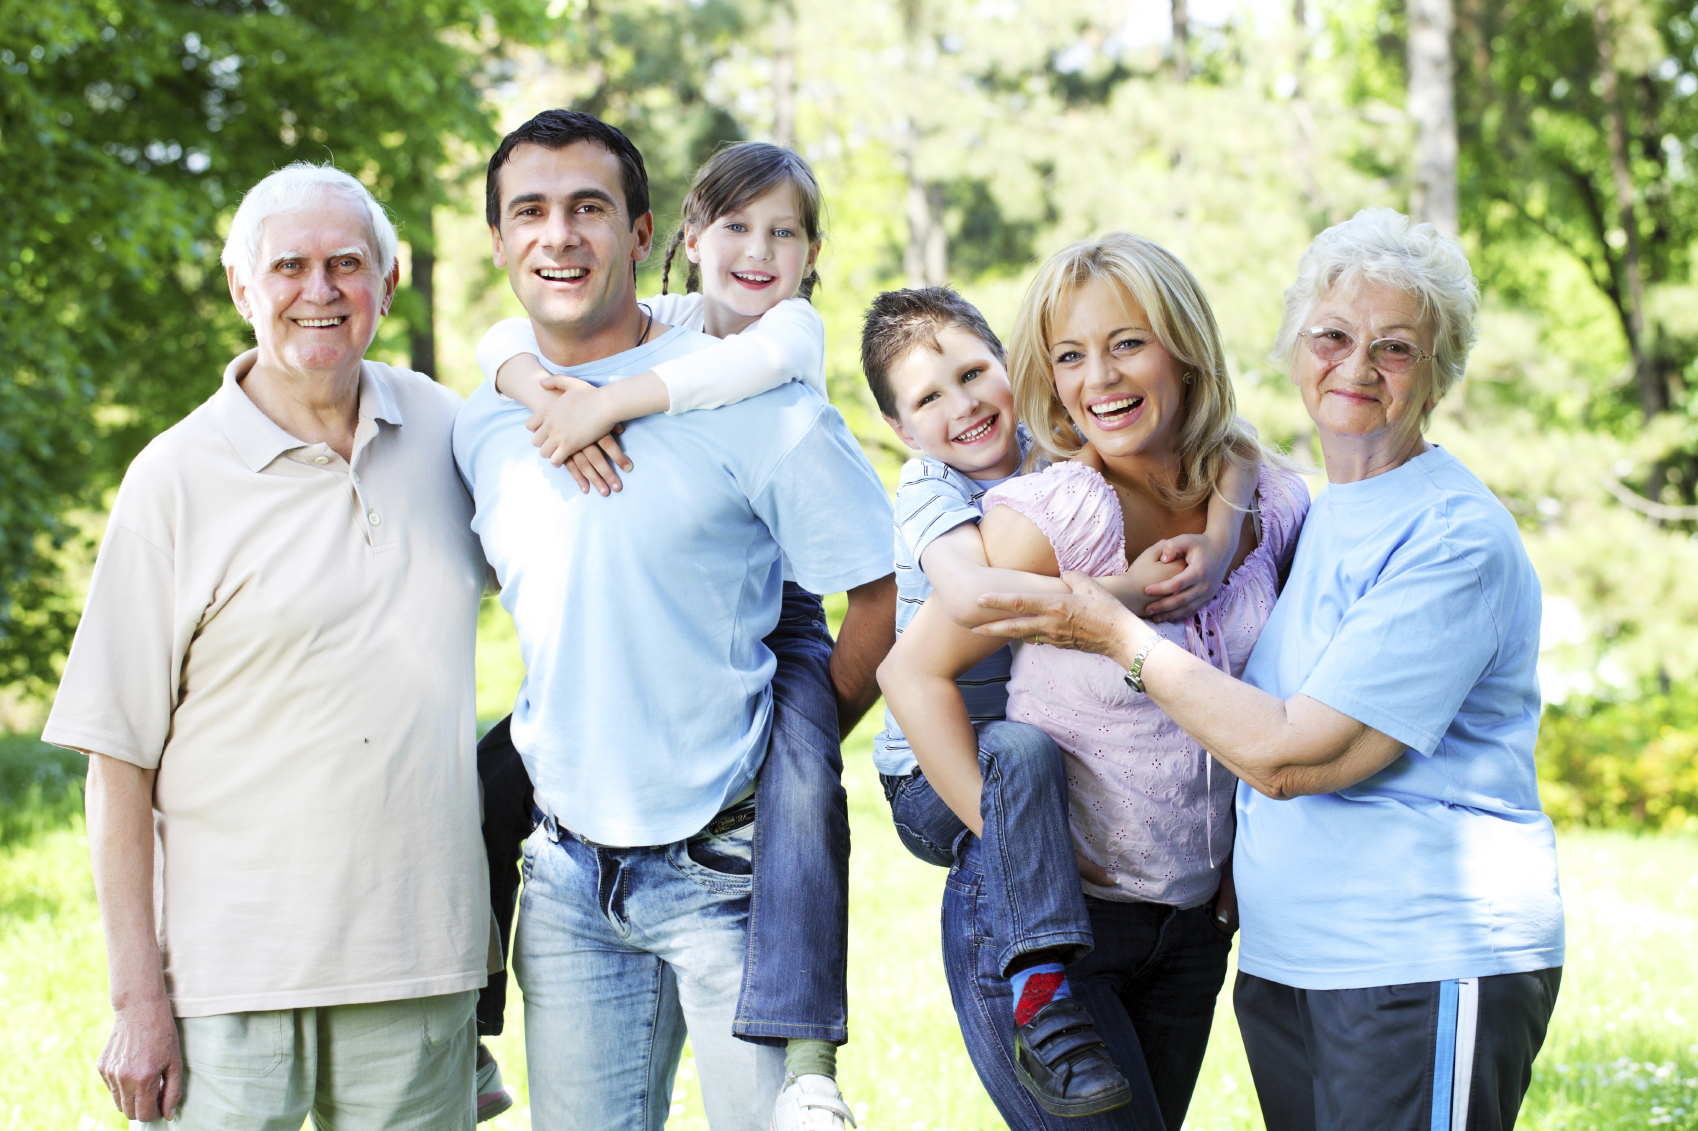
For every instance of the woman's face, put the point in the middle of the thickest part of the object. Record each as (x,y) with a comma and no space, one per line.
(1351,399)
(1124,391)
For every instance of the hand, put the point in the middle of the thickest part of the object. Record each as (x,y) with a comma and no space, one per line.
(1224,912)
(575,420)
(1092,871)
(142,1064)
(1087,619)
(1191,588)
(590,467)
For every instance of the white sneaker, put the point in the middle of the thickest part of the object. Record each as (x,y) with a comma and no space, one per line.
(810,1103)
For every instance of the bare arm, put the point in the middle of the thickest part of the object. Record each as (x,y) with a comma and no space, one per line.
(1280,747)
(869,628)
(141,1063)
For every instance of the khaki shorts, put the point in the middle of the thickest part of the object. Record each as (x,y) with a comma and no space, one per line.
(383,1066)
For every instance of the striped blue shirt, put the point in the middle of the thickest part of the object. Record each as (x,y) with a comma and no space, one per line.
(932,499)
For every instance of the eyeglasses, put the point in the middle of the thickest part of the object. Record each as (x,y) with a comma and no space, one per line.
(1388,355)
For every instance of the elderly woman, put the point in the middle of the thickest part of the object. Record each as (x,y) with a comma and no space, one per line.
(273,682)
(1118,371)
(1403,931)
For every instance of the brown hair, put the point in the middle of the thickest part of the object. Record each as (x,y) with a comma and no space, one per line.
(898,322)
(1179,314)
(737,176)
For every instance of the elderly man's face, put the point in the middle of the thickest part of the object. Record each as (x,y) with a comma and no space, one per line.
(316,295)
(1352,399)
(566,238)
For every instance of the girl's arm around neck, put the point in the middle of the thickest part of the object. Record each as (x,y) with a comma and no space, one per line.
(787,344)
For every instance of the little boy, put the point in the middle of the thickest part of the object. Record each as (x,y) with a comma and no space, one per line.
(938,374)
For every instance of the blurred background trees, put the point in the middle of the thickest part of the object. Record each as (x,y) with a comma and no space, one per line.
(958,141)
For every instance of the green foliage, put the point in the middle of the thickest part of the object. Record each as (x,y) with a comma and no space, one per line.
(1630,764)
(41,788)
(127,131)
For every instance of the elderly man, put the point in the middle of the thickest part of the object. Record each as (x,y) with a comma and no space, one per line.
(273,681)
(647,704)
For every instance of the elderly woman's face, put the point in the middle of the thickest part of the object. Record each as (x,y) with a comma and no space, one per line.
(316,294)
(1124,391)
(1353,399)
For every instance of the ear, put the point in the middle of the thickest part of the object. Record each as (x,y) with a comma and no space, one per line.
(389,285)
(691,235)
(901,432)
(813,258)
(500,249)
(239,295)
(644,228)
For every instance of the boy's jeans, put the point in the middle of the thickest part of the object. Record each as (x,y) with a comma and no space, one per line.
(1031,879)
(619,952)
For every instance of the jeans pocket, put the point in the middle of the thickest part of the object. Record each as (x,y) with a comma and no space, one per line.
(721,858)
(236,1044)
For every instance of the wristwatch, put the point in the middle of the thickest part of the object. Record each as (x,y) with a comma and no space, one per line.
(1135,673)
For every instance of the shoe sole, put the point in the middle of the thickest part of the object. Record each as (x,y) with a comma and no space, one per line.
(493,1106)
(1120,1097)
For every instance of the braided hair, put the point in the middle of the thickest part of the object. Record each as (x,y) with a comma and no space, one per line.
(734,177)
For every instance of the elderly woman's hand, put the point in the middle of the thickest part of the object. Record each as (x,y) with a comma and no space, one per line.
(1088,619)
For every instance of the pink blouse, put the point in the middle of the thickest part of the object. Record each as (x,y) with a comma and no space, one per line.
(1148,804)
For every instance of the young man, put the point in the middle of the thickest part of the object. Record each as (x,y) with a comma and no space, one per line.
(647,703)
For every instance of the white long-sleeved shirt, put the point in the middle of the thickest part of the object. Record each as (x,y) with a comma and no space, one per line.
(786,344)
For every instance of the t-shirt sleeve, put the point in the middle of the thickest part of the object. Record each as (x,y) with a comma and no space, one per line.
(929,504)
(1076,510)
(1409,650)
(675,308)
(786,344)
(828,510)
(507,339)
(119,688)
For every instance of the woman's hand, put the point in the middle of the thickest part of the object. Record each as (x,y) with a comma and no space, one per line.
(142,1063)
(1087,619)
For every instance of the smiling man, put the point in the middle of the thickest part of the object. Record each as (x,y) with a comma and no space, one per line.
(273,680)
(647,704)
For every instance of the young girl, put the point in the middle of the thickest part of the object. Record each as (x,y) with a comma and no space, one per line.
(751,233)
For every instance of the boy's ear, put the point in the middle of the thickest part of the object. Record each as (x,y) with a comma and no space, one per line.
(901,432)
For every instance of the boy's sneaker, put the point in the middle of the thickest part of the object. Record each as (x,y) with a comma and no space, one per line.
(810,1103)
(1064,1064)
(493,1097)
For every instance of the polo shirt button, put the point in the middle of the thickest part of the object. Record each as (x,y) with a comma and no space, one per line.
(321,459)
(374,518)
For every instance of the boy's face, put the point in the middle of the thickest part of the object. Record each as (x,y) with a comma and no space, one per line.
(956,406)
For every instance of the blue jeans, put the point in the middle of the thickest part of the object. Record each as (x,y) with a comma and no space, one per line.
(622,951)
(1150,984)
(1032,886)
(795,974)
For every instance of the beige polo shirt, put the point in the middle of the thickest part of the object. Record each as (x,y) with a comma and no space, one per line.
(290,639)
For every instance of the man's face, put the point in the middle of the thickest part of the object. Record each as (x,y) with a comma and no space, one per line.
(565,237)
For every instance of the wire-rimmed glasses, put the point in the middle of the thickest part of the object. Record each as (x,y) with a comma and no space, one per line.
(1389,355)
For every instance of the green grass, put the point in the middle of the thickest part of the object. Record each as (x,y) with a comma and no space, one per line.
(1623,1048)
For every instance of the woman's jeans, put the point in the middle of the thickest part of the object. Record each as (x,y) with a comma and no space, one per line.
(793,982)
(1150,984)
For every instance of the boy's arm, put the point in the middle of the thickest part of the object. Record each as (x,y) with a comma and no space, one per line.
(1209,555)
(786,344)
(864,640)
(918,679)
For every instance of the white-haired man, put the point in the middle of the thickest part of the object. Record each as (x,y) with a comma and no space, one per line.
(273,680)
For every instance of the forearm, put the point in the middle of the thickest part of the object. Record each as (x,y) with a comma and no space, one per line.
(869,629)
(521,378)
(933,717)
(642,395)
(960,590)
(119,807)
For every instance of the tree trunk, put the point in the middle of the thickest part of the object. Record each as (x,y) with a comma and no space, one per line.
(1432,103)
(422,333)
(1181,41)
(926,258)
(1653,394)
(784,72)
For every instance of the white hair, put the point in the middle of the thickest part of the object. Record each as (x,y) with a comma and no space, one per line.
(295,188)
(1383,247)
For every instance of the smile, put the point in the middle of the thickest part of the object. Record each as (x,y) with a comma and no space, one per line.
(753,278)
(976,433)
(1114,410)
(320,323)
(562,274)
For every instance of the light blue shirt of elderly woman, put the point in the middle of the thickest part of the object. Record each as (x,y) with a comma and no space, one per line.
(1412,608)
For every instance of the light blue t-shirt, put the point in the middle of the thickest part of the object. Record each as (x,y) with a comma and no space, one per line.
(647,702)
(932,499)
(1411,607)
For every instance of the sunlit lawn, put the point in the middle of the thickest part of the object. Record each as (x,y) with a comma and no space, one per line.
(1623,1050)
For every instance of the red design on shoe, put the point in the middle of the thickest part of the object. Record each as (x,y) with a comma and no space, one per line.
(1035,995)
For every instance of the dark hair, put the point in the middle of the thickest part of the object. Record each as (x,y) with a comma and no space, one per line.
(899,322)
(556,129)
(734,177)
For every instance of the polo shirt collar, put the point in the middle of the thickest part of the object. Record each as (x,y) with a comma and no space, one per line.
(259,440)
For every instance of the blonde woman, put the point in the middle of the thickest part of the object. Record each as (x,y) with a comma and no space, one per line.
(1118,372)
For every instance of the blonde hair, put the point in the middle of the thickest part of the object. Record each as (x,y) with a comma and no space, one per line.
(1153,277)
